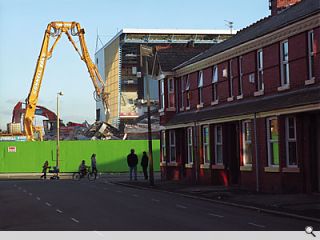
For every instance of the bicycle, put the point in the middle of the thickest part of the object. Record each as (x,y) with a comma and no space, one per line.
(92,176)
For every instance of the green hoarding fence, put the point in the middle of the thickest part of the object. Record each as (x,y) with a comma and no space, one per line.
(28,157)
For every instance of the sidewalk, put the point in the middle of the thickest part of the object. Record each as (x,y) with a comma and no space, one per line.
(304,206)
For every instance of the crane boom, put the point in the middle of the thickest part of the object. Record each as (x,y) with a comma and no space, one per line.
(55,30)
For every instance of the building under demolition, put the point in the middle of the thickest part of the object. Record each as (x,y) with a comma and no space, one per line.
(120,65)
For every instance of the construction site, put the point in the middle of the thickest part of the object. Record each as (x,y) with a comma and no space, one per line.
(123,78)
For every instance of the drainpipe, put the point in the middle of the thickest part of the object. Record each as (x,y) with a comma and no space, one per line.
(196,152)
(256,151)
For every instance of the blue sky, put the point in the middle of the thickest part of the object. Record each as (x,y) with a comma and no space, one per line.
(22,24)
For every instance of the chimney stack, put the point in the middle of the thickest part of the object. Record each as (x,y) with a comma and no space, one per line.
(277,6)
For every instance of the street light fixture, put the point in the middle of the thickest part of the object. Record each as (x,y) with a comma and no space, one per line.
(58,132)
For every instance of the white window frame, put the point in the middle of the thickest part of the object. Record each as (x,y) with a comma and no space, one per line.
(230,79)
(162,95)
(288,140)
(163,146)
(188,91)
(217,144)
(240,92)
(172,146)
(311,55)
(171,91)
(284,64)
(206,145)
(190,145)
(215,76)
(182,86)
(260,82)
(200,86)
(245,142)
(270,141)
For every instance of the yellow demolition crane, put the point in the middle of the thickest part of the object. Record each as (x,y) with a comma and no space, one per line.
(55,30)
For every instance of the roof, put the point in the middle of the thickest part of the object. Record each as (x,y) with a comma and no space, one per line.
(171,56)
(255,105)
(168,31)
(264,26)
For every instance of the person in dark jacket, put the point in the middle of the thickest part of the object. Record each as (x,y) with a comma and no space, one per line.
(44,169)
(144,165)
(132,160)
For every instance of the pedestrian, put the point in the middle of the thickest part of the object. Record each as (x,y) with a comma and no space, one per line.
(94,164)
(132,160)
(44,170)
(144,165)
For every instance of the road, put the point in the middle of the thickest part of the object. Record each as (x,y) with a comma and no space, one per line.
(102,206)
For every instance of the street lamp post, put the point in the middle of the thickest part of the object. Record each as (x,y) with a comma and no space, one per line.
(58,131)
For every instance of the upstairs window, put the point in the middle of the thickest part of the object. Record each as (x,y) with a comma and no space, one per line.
(182,85)
(284,54)
(240,88)
(188,91)
(260,83)
(171,95)
(214,83)
(162,98)
(172,144)
(200,87)
(311,51)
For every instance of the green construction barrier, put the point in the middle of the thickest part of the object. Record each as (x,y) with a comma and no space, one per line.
(28,157)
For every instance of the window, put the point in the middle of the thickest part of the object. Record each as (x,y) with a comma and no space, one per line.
(205,144)
(214,83)
(172,143)
(311,50)
(188,91)
(162,100)
(247,142)
(176,95)
(284,52)
(200,86)
(98,114)
(291,142)
(240,88)
(218,144)
(171,93)
(260,84)
(273,141)
(163,146)
(190,145)
(230,79)
(183,80)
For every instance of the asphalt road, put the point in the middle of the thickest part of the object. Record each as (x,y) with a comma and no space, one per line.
(102,206)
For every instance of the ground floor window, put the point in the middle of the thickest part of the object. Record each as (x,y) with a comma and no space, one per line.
(218,145)
(247,142)
(205,144)
(273,141)
(190,145)
(291,142)
(163,146)
(172,143)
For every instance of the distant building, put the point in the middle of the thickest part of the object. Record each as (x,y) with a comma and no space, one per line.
(246,112)
(119,64)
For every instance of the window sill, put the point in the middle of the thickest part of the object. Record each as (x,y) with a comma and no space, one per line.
(200,106)
(291,170)
(240,97)
(187,108)
(272,169)
(171,109)
(310,81)
(258,93)
(246,168)
(283,88)
(214,102)
(205,166)
(181,109)
(172,164)
(217,166)
(230,99)
(188,165)
(163,164)
(162,114)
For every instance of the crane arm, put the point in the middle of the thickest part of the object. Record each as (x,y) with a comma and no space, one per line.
(55,29)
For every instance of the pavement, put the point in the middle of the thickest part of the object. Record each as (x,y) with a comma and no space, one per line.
(303,206)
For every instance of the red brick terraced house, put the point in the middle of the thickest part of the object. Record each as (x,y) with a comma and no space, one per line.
(246,112)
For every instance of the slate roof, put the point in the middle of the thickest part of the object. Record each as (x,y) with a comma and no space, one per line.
(255,105)
(171,56)
(264,26)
